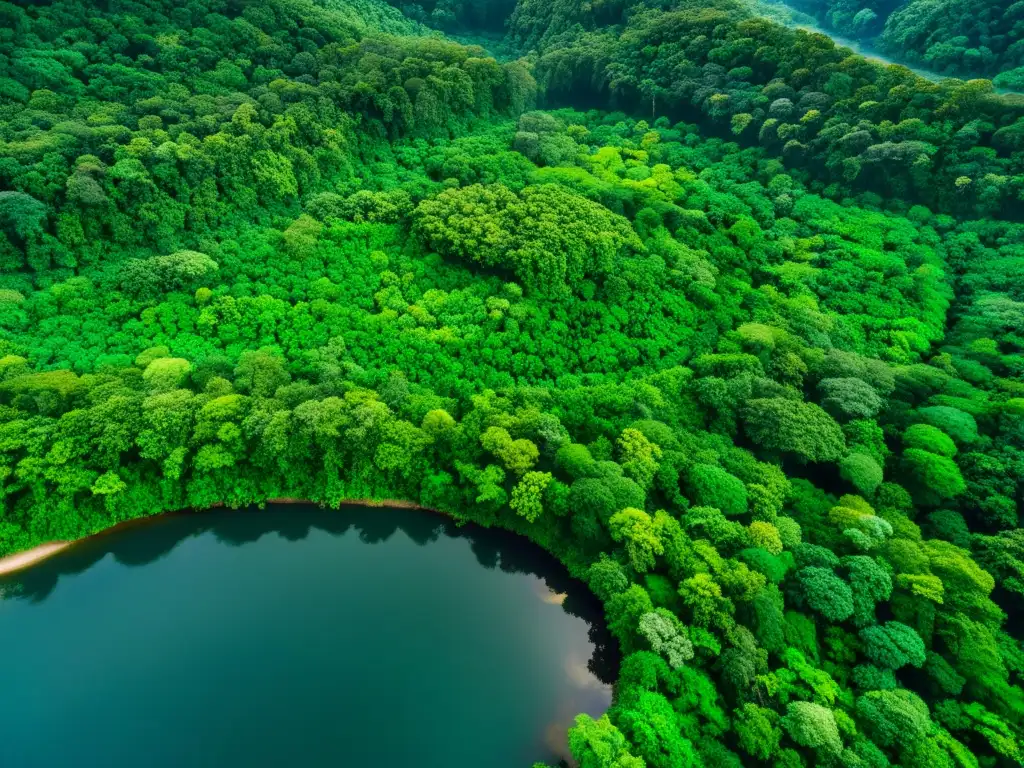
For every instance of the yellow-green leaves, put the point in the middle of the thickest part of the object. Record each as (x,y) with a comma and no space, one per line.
(637,531)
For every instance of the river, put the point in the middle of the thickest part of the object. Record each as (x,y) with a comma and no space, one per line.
(297,636)
(797,20)
(783,14)
(867,51)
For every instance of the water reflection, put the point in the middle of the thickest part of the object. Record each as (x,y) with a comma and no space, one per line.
(492,548)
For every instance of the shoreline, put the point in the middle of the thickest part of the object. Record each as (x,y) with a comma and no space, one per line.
(19,561)
(29,557)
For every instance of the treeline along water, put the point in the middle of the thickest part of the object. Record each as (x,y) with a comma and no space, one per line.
(297,636)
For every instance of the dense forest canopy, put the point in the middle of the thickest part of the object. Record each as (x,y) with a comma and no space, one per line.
(955,37)
(727,318)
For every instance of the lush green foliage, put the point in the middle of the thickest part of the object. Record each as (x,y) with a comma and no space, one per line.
(742,381)
(844,124)
(956,37)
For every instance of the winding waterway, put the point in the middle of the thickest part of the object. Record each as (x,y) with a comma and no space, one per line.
(867,51)
(295,636)
(781,13)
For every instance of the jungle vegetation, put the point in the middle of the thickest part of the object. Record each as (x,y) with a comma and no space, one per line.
(954,37)
(727,318)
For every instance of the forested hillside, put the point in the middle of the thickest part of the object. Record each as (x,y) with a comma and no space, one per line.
(967,38)
(851,125)
(727,318)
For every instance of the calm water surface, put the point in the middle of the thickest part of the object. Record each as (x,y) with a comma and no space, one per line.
(297,637)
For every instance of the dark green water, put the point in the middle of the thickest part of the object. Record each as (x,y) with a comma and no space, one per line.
(296,637)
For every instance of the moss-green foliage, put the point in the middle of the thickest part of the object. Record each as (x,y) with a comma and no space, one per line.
(767,404)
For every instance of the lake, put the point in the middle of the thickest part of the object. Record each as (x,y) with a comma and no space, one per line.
(295,636)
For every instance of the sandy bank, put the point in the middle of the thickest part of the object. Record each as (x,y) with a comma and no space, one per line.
(20,560)
(28,557)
